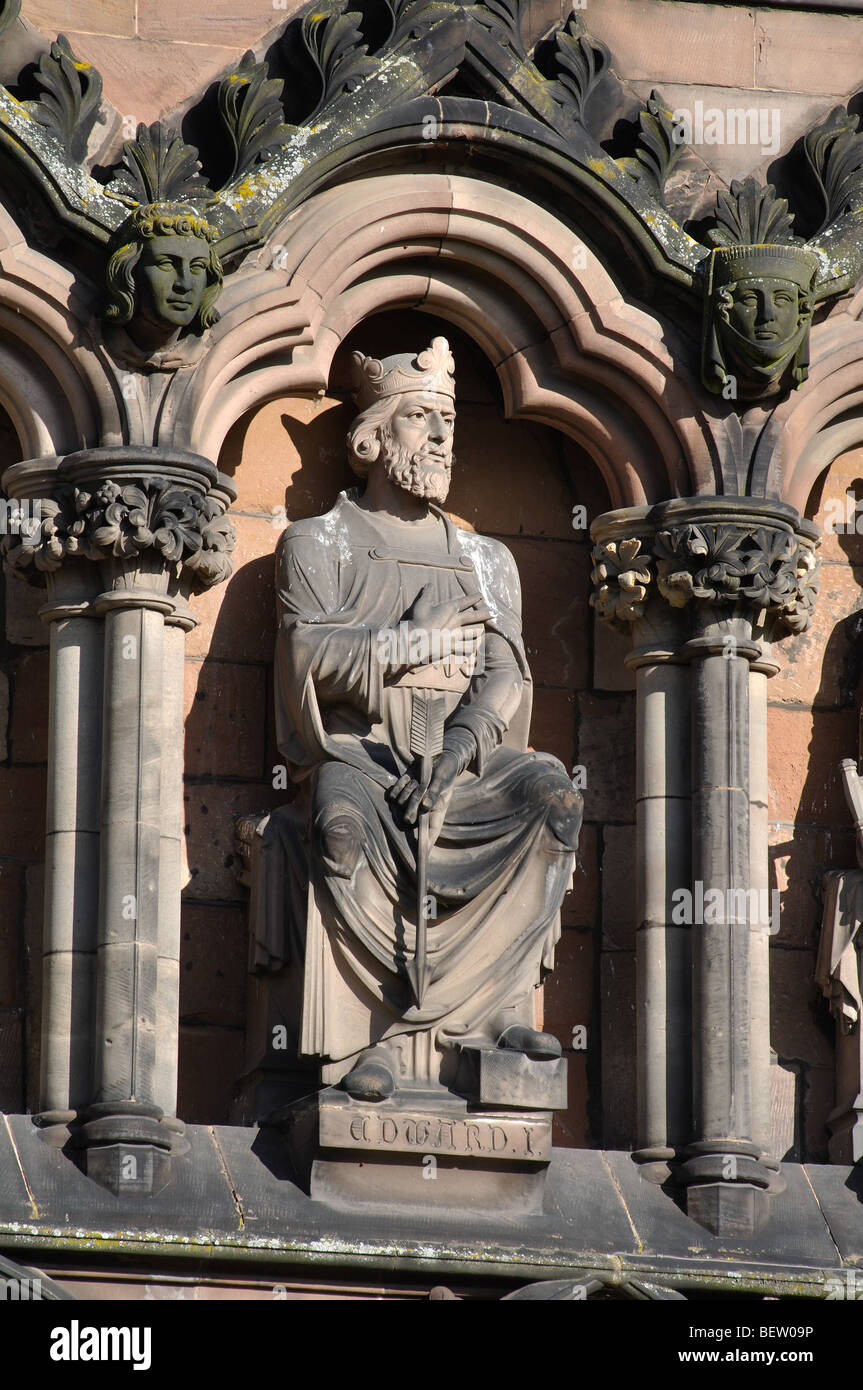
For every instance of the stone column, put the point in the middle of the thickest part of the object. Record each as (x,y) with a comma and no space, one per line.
(730,573)
(127,535)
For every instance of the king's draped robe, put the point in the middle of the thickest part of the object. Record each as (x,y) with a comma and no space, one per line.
(505,854)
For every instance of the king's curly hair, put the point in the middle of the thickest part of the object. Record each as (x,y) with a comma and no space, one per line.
(127,243)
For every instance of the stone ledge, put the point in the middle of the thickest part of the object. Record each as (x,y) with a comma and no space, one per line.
(231,1202)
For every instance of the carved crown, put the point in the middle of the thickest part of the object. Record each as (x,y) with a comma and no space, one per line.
(431,371)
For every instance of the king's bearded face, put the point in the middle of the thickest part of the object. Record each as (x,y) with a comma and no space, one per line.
(416,445)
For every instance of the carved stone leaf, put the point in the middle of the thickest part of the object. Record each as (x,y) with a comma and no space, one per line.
(503,18)
(751,215)
(658,148)
(70,99)
(158,167)
(581,62)
(250,106)
(834,153)
(332,39)
(410,17)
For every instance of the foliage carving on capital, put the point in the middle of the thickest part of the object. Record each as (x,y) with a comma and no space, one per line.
(757,566)
(188,530)
(622,576)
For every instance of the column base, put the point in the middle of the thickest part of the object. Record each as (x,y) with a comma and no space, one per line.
(727,1187)
(127,1147)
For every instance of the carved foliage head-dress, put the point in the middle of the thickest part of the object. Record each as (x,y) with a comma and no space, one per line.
(759,296)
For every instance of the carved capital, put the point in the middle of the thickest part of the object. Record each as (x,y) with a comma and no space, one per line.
(743,560)
(102,505)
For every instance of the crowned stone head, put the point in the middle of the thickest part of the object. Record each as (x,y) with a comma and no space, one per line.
(406,420)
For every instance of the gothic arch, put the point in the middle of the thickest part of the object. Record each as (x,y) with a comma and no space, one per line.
(567,348)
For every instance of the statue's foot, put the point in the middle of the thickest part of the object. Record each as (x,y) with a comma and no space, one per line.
(370,1079)
(540,1047)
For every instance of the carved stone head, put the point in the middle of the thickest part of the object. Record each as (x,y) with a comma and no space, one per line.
(758,311)
(407,419)
(164,275)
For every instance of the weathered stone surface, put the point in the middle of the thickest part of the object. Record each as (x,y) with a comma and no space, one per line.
(609,650)
(11,874)
(805,751)
(822,667)
(552,724)
(568,992)
(144,79)
(398,1126)
(29,730)
(580,904)
(665,43)
(11,1060)
(237,620)
(617,990)
(619,907)
(290,454)
(209,1058)
(785,42)
(94,16)
(801,1028)
(819,1099)
(224,731)
(799,858)
(209,811)
(213,960)
(555,634)
(23,602)
(606,748)
(221,22)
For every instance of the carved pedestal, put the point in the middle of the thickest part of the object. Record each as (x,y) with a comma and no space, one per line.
(419,1149)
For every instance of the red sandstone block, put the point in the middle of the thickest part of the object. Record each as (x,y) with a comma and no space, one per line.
(801,1026)
(237,619)
(210,1061)
(570,1126)
(55,17)
(836,501)
(580,905)
(569,991)
(820,666)
(606,749)
(290,454)
(209,810)
(22,812)
(30,709)
(225,719)
(788,40)
(619,1112)
(555,584)
(552,725)
(678,42)
(213,964)
(11,1062)
(536,499)
(212,21)
(619,908)
(10,913)
(143,79)
(804,752)
(799,858)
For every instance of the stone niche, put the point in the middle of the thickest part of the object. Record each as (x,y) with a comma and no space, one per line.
(519,481)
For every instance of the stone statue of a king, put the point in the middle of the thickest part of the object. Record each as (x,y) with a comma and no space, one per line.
(437,849)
